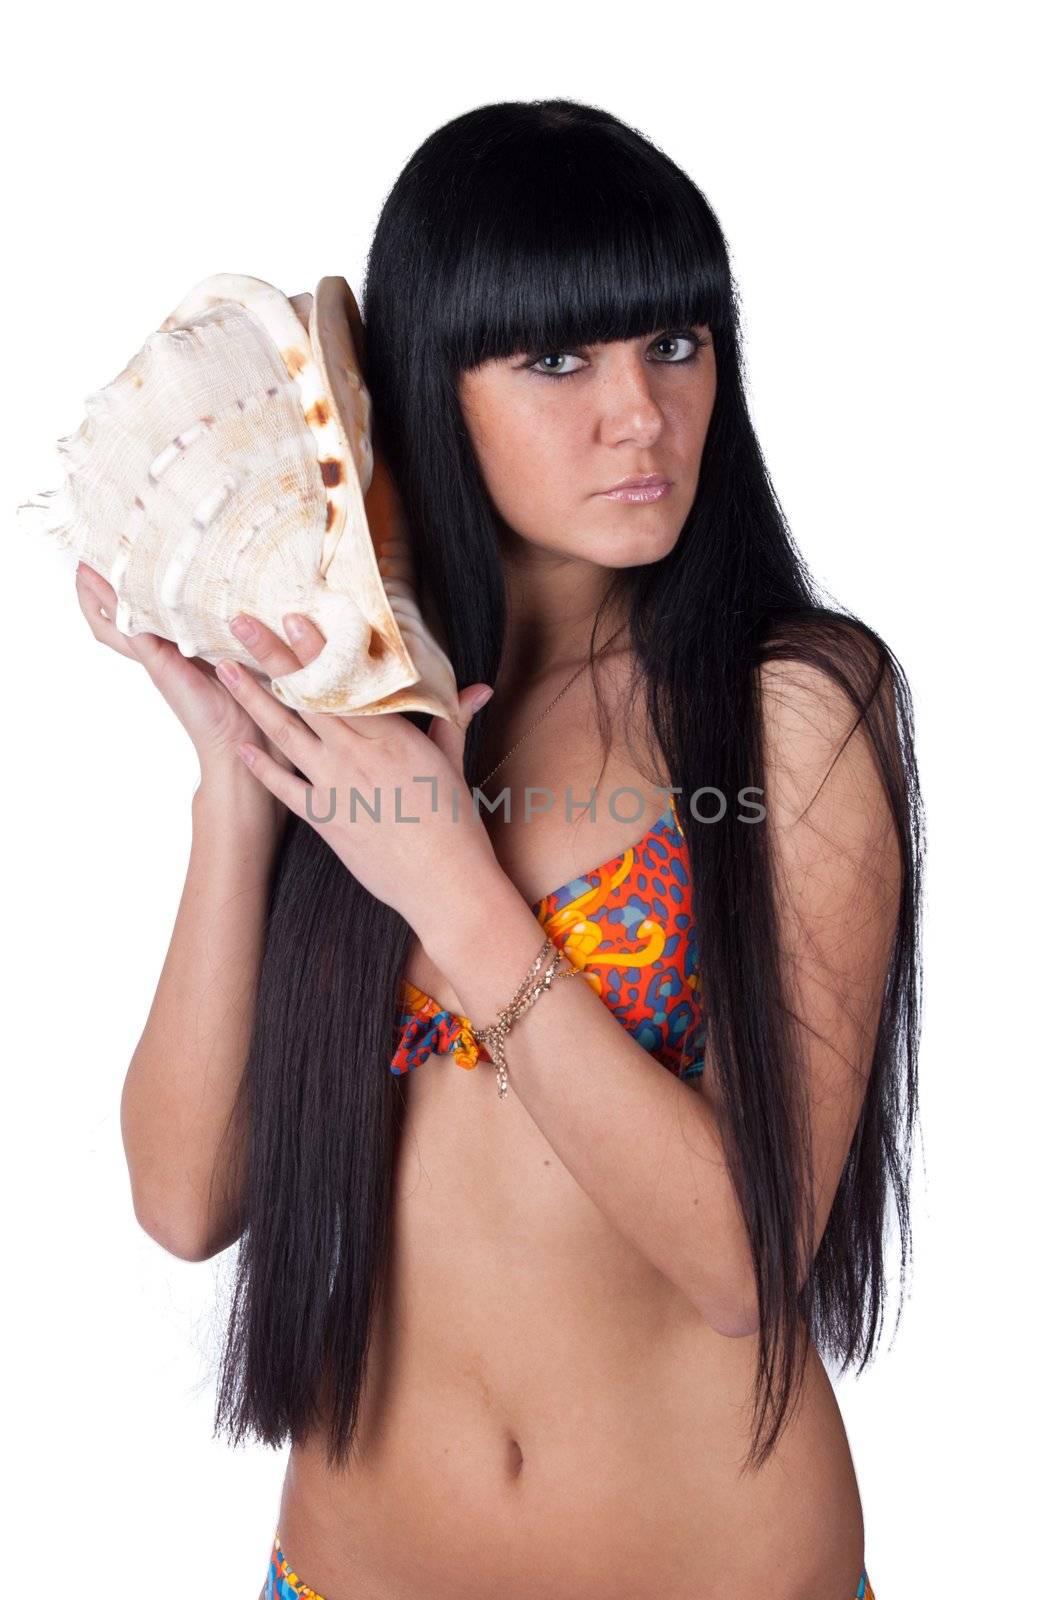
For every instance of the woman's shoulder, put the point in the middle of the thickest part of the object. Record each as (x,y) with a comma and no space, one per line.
(828,669)
(827,697)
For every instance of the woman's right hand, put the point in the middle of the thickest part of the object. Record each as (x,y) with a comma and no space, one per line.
(213,720)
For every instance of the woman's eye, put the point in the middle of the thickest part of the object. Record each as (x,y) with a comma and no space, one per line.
(538,364)
(677,338)
(554,355)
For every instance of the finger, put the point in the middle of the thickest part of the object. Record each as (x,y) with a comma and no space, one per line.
(278,659)
(100,617)
(287,729)
(288,787)
(451,739)
(305,636)
(98,584)
(273,655)
(375,725)
(99,603)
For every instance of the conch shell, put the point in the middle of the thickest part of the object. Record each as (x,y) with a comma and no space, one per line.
(229,467)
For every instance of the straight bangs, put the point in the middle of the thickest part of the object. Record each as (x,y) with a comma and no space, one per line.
(587,247)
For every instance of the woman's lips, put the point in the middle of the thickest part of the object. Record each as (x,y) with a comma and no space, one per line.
(640,494)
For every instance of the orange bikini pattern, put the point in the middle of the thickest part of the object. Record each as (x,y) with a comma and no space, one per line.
(628,927)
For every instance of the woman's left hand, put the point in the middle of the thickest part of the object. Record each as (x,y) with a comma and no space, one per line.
(429,848)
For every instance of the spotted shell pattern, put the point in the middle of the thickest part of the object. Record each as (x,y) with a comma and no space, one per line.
(229,467)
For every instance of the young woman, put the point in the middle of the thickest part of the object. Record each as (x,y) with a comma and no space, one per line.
(555,1326)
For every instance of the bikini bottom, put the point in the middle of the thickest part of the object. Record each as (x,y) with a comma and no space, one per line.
(282,1583)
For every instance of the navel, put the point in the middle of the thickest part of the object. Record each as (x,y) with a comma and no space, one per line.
(514,1457)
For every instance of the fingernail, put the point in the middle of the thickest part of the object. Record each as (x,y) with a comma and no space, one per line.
(481,699)
(294,625)
(243,627)
(227,672)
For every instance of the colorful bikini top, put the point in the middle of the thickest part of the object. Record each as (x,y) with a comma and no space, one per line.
(628,927)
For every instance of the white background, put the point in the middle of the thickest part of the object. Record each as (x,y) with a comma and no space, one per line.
(883,177)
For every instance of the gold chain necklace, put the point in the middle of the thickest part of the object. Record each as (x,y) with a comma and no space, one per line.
(482,781)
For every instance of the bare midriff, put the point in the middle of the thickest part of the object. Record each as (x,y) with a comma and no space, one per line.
(546,1416)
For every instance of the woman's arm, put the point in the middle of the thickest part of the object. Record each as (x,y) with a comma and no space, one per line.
(643,1144)
(186,1155)
(645,1147)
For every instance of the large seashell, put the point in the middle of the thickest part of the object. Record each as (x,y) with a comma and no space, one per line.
(229,467)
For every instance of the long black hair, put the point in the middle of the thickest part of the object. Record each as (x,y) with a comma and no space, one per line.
(542,226)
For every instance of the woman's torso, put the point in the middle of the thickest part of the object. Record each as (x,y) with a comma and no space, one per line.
(545,1415)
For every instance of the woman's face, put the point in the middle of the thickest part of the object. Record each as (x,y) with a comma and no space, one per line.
(549,447)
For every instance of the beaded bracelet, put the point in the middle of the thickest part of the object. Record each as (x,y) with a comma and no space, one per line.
(495,1032)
